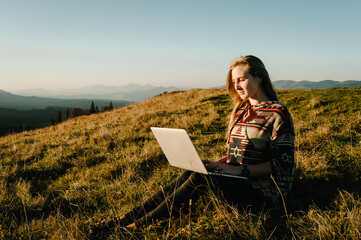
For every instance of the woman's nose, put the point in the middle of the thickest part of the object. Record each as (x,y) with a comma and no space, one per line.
(238,86)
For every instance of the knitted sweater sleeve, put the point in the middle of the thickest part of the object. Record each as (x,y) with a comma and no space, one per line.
(282,151)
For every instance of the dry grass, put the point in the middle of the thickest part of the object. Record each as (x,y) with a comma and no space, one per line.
(343,221)
(56,181)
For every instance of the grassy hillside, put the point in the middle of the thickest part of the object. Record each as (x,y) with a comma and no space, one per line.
(57,181)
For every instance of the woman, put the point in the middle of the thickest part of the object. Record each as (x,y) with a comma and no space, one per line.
(260,147)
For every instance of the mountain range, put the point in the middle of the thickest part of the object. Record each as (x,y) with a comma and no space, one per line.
(325,84)
(9,100)
(130,92)
(16,111)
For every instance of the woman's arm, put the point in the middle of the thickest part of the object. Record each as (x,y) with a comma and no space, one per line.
(259,170)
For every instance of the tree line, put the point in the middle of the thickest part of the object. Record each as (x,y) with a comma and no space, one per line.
(76,112)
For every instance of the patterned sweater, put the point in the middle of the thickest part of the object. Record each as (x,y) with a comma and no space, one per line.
(263,133)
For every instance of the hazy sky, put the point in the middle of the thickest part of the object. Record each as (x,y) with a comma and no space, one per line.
(76,43)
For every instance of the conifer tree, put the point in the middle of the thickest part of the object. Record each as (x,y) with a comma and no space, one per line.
(96,109)
(60,117)
(67,113)
(92,108)
(52,121)
(111,106)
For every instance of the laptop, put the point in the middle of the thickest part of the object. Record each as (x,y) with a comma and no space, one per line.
(180,151)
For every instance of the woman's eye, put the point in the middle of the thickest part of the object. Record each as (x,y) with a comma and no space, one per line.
(238,80)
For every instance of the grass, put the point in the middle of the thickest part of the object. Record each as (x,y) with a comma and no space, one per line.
(57,181)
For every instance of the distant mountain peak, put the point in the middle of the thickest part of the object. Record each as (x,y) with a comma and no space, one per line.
(2,92)
(324,84)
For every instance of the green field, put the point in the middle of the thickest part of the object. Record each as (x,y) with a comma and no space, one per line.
(58,181)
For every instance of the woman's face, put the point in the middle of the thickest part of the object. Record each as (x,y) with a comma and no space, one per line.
(245,84)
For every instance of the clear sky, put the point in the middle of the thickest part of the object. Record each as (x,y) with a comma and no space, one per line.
(190,43)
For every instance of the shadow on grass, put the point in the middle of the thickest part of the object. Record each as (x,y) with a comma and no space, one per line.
(20,212)
(319,192)
(144,170)
(39,178)
(306,194)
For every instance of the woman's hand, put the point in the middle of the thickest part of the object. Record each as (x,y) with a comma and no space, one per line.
(223,168)
(206,162)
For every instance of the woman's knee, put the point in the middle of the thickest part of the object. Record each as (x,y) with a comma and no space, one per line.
(184,176)
(197,177)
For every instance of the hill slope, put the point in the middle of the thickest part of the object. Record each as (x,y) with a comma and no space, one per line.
(55,181)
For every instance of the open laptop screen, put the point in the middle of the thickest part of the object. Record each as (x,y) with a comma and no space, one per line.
(179,149)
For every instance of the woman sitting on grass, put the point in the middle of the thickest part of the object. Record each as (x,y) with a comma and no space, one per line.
(260,147)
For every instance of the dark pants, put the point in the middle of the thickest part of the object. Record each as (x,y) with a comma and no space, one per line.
(190,185)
